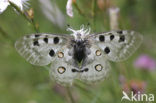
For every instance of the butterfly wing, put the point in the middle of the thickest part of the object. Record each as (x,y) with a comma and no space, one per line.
(61,68)
(96,66)
(40,49)
(117,45)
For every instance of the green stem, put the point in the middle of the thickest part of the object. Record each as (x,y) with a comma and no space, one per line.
(87,91)
(79,10)
(31,21)
(70,95)
(5,34)
(34,25)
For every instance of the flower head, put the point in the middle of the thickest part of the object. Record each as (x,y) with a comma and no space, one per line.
(69,8)
(145,62)
(135,86)
(20,3)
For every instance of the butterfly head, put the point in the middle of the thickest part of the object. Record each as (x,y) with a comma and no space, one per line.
(79,35)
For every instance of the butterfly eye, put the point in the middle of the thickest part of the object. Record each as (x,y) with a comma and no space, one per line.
(98,67)
(98,53)
(61,70)
(60,54)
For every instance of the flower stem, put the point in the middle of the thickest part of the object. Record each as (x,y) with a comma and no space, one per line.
(34,25)
(70,95)
(79,10)
(5,34)
(30,20)
(87,91)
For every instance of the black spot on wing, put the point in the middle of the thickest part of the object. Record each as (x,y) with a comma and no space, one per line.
(56,40)
(36,43)
(74,70)
(107,50)
(45,40)
(102,38)
(51,53)
(37,35)
(122,38)
(86,69)
(80,71)
(111,37)
(120,32)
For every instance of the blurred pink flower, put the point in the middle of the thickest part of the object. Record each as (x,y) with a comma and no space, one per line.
(138,86)
(145,62)
(135,86)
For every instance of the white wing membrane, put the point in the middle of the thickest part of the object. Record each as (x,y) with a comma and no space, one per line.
(61,68)
(118,45)
(98,67)
(40,49)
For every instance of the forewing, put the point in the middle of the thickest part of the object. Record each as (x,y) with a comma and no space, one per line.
(40,49)
(117,45)
(96,66)
(61,67)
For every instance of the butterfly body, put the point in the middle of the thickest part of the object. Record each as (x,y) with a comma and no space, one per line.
(80,55)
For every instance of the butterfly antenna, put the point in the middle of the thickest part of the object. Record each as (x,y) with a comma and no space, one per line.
(68,25)
(87,31)
(69,28)
(82,27)
(88,24)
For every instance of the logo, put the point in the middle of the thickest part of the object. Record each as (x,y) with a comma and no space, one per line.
(137,96)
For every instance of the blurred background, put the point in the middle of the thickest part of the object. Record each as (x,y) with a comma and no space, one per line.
(21,82)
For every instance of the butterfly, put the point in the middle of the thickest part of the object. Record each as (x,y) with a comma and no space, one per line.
(80,55)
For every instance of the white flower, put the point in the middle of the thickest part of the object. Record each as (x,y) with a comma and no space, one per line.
(69,8)
(3,5)
(20,3)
